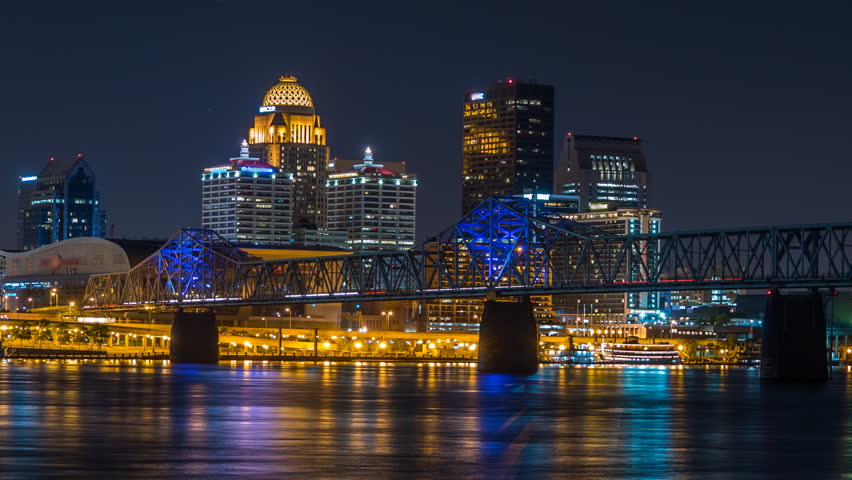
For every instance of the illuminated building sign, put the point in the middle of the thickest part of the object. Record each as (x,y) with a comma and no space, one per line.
(257,169)
(538,196)
(55,261)
(29,179)
(266,109)
(477,96)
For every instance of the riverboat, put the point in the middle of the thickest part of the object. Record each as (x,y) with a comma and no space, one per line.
(640,354)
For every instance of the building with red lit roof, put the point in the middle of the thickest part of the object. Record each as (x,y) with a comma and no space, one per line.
(338,165)
(374,204)
(248,201)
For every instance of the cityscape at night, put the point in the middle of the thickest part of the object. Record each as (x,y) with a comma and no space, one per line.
(478,240)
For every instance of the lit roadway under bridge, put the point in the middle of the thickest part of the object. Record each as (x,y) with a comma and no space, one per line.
(505,247)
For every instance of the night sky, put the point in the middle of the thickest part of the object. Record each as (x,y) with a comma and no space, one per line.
(744,110)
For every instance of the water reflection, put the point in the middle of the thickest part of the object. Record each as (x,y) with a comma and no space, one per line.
(152,420)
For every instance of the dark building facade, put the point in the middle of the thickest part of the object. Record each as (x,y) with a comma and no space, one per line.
(607,173)
(287,134)
(61,202)
(507,141)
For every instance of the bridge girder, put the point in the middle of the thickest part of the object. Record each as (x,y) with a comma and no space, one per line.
(508,246)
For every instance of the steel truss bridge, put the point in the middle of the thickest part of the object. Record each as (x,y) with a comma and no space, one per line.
(504,247)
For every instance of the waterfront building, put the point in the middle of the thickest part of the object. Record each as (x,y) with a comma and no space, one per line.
(685,303)
(687,300)
(288,135)
(56,274)
(605,172)
(611,308)
(60,202)
(449,315)
(374,204)
(507,141)
(247,201)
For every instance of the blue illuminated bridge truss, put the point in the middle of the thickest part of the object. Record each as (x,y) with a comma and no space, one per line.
(504,247)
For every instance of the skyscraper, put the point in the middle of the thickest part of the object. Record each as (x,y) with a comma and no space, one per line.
(287,134)
(605,172)
(374,204)
(508,141)
(60,202)
(247,201)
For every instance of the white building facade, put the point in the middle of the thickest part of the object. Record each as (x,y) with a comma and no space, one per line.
(248,202)
(374,204)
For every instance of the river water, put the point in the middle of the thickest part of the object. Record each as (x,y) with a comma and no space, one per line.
(152,420)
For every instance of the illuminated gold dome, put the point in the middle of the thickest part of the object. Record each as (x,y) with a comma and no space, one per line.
(287,92)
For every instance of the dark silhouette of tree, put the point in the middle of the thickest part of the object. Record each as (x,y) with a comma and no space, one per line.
(99,334)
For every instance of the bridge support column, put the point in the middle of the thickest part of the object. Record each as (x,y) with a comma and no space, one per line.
(508,338)
(793,346)
(194,338)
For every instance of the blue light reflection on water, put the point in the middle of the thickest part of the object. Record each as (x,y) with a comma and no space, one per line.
(350,421)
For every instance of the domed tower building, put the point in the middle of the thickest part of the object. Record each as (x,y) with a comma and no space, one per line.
(288,135)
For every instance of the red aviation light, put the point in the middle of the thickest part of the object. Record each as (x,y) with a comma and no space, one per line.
(569,134)
(635,138)
(510,81)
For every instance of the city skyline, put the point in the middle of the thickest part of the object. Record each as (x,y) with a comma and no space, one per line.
(748,108)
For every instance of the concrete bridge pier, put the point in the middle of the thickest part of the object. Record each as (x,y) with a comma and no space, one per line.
(194,337)
(508,338)
(793,346)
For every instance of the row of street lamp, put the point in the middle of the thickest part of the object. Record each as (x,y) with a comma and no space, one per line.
(54,300)
(386,315)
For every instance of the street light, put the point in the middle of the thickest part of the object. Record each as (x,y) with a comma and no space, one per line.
(387,316)
(291,317)
(577,314)
(71,307)
(54,293)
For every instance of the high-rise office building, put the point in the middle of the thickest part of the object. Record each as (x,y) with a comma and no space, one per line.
(507,141)
(287,134)
(60,202)
(374,204)
(605,172)
(247,201)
